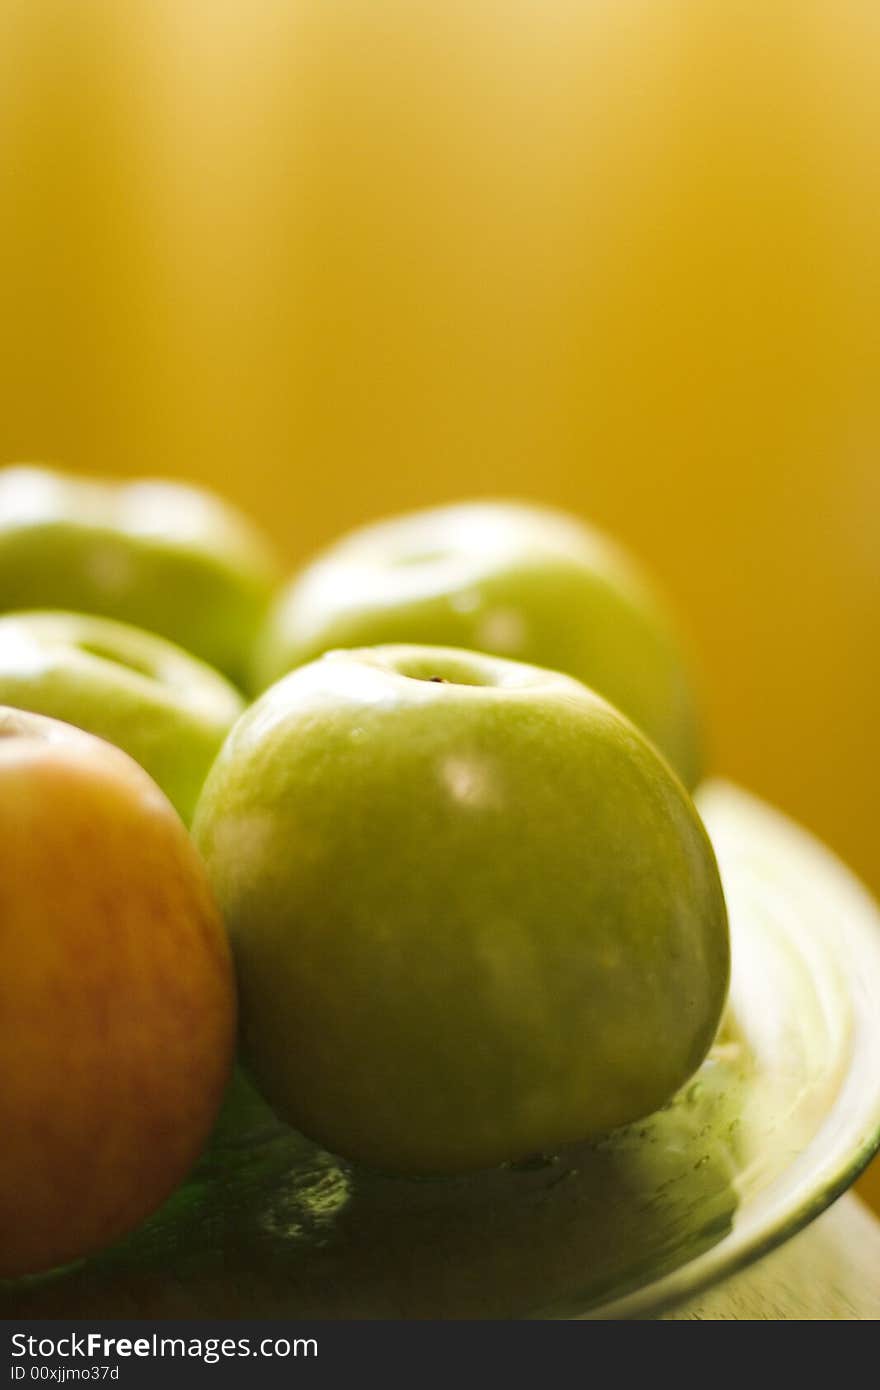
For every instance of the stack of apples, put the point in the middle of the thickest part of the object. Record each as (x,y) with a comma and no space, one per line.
(411,833)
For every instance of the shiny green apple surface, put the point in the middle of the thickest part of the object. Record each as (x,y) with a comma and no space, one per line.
(474,913)
(164,708)
(161,555)
(517,580)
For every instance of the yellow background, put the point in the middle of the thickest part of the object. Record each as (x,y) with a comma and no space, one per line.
(344,258)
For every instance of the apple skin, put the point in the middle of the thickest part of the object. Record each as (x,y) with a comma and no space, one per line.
(475,915)
(510,578)
(160,555)
(165,708)
(117,995)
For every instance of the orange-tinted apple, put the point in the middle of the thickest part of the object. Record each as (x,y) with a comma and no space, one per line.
(117,996)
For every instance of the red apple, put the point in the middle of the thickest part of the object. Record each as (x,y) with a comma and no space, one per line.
(117,997)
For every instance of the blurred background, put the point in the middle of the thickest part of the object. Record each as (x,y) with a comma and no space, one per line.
(619,255)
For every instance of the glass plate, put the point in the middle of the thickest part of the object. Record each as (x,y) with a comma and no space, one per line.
(782,1116)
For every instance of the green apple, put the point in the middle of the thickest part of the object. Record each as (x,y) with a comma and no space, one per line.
(164,556)
(159,704)
(475,914)
(117,995)
(508,578)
